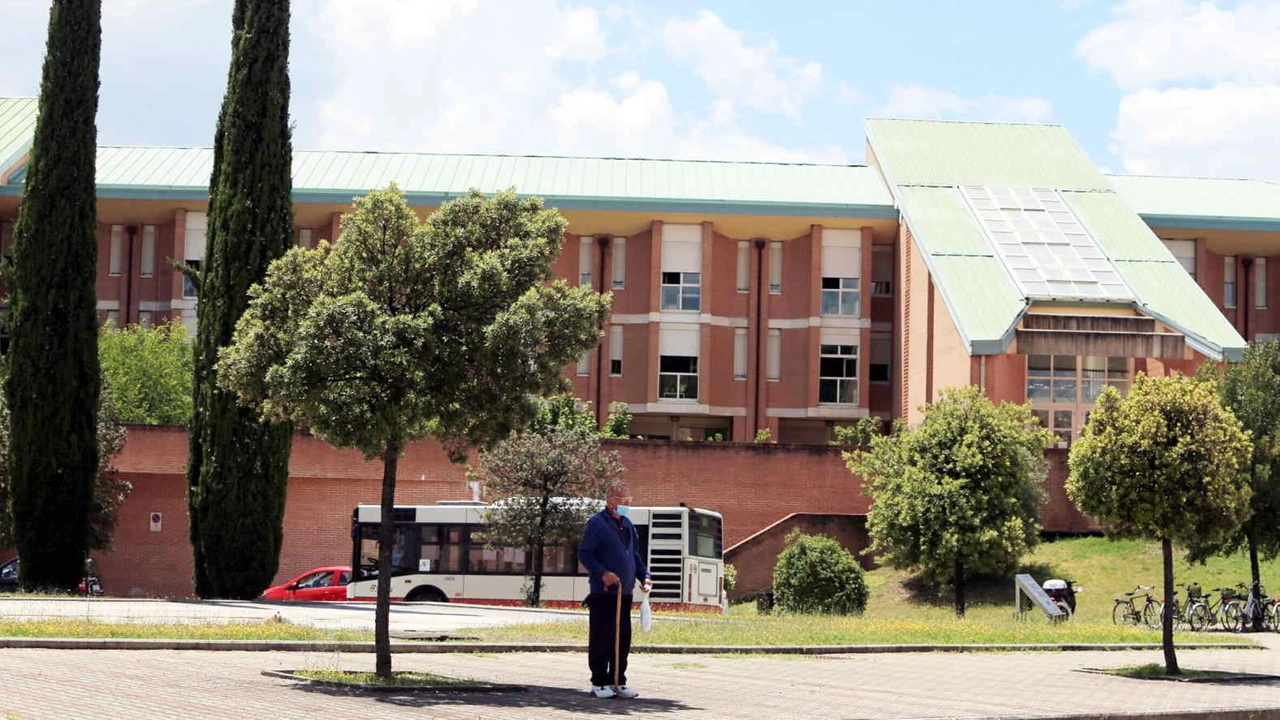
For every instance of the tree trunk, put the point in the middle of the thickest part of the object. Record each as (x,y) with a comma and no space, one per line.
(959,580)
(382,611)
(1255,588)
(539,546)
(1166,618)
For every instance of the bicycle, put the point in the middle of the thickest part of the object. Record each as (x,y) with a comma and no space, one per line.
(1201,610)
(1254,613)
(1230,610)
(1125,612)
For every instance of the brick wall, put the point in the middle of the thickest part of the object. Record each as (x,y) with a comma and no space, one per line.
(752,485)
(756,557)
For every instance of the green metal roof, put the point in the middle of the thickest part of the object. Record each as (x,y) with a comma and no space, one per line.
(1118,230)
(929,152)
(926,162)
(572,183)
(1169,294)
(1202,203)
(17,128)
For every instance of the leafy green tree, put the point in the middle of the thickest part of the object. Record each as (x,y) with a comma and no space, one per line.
(1250,389)
(544,481)
(109,489)
(404,331)
(961,492)
(53,383)
(618,424)
(861,433)
(1165,463)
(238,466)
(149,372)
(815,574)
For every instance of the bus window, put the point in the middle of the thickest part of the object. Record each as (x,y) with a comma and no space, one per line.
(483,559)
(704,536)
(560,559)
(442,546)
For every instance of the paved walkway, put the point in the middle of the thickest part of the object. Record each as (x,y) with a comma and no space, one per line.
(173,684)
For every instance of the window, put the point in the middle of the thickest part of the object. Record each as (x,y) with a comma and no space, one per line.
(316,580)
(304,238)
(148,266)
(615,350)
(1260,283)
(586,256)
(740,354)
(619,263)
(584,363)
(705,536)
(841,296)
(113,318)
(1229,281)
(441,547)
(482,559)
(744,266)
(774,352)
(838,374)
(1063,388)
(117,249)
(189,287)
(677,377)
(144,318)
(681,291)
(775,268)
(881,271)
(881,357)
(1184,251)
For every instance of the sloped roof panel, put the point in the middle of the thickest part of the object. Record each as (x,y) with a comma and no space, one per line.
(17,128)
(1170,294)
(982,299)
(927,152)
(942,223)
(1116,227)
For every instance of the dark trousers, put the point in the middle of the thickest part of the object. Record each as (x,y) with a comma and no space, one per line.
(604,608)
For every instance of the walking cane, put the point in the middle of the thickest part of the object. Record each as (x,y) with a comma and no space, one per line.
(617,639)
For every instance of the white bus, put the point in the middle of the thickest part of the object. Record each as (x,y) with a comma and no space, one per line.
(439,554)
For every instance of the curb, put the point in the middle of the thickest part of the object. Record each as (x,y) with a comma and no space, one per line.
(469,647)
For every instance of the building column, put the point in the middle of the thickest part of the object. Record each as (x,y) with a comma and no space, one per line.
(864,334)
(814,335)
(655,305)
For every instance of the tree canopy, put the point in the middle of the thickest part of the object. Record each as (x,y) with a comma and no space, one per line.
(448,329)
(541,482)
(53,383)
(1164,463)
(238,467)
(1250,389)
(148,371)
(958,494)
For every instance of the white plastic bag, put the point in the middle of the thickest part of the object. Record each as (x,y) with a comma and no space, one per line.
(646,615)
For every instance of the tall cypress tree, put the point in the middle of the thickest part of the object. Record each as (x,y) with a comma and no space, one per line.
(238,466)
(53,384)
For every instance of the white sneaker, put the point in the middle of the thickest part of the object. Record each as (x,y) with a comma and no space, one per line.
(603,691)
(626,692)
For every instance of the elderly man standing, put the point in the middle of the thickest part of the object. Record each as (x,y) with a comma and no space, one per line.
(610,550)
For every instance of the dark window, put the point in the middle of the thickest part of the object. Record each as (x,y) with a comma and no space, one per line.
(705,538)
(189,287)
(615,367)
(677,377)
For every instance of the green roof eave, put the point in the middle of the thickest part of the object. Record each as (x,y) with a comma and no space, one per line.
(1212,222)
(433,199)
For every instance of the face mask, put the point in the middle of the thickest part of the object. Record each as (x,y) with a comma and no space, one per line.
(623,510)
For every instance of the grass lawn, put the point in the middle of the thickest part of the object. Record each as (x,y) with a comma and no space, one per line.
(902,610)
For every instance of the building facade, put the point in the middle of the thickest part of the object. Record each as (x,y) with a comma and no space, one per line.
(786,298)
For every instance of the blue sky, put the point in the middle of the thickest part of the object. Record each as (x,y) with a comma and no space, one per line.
(1146,86)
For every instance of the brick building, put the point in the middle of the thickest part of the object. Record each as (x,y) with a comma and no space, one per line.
(788,297)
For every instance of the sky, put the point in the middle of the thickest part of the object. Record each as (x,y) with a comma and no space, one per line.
(1162,87)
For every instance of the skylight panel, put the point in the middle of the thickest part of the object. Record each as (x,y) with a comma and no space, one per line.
(1046,249)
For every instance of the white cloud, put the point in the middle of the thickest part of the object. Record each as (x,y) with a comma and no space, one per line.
(754,76)
(848,94)
(1156,42)
(1225,131)
(1202,82)
(918,101)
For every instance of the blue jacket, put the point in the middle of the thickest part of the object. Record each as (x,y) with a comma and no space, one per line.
(601,549)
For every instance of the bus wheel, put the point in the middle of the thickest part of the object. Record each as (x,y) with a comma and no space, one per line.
(426,594)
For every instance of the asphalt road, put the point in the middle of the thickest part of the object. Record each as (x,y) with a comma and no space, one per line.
(416,617)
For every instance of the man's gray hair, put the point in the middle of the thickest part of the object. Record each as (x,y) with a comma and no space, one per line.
(619,488)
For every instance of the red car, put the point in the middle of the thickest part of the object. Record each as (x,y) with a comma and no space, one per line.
(325,583)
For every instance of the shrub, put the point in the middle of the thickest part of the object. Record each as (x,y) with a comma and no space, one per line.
(816,575)
(730,577)
(764,436)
